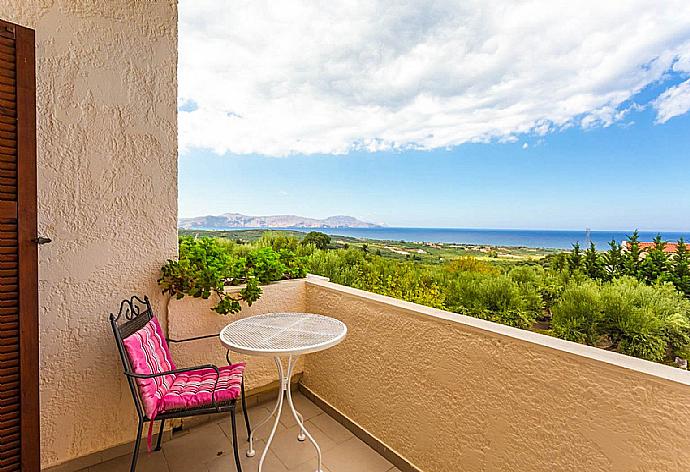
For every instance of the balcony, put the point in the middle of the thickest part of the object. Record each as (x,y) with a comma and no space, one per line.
(434,391)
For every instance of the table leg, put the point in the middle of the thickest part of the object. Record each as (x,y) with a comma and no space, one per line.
(251,452)
(298,417)
(278,409)
(284,377)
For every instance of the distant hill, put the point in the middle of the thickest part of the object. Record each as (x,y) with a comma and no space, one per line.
(236,220)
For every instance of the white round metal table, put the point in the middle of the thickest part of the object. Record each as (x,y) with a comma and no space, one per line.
(280,335)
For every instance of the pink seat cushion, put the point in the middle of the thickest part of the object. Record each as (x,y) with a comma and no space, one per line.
(193,389)
(148,354)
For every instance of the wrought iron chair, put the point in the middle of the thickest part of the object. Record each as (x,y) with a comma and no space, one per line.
(137,314)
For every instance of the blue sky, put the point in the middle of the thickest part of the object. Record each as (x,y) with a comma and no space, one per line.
(619,177)
(601,144)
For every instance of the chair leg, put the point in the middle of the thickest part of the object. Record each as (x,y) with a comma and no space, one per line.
(135,455)
(244,411)
(234,441)
(160,436)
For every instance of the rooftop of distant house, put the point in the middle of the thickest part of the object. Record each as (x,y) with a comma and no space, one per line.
(647,246)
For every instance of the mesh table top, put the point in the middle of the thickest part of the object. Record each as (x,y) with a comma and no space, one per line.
(274,334)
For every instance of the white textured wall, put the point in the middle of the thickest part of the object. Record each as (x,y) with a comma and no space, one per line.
(107,179)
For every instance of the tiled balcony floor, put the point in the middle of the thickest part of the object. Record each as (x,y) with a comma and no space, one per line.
(208,448)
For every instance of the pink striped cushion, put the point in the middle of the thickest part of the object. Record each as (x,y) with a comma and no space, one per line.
(193,389)
(148,354)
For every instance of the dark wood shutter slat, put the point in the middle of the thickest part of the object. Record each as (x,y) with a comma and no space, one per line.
(6,48)
(7,81)
(11,74)
(7,31)
(12,445)
(8,357)
(8,104)
(9,143)
(8,124)
(8,343)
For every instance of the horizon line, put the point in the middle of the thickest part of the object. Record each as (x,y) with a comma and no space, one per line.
(470,228)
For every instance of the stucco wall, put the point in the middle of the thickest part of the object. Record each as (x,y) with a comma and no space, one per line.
(452,393)
(107,180)
(192,317)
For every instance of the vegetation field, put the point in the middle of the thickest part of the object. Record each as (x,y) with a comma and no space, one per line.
(627,300)
(426,253)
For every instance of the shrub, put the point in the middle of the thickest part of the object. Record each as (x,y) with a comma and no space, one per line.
(526,275)
(577,315)
(650,322)
(496,298)
(279,241)
(470,264)
(207,265)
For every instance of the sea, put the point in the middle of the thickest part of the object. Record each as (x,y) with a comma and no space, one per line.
(495,237)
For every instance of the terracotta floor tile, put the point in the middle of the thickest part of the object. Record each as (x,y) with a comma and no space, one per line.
(308,466)
(256,415)
(302,405)
(292,452)
(203,444)
(331,427)
(249,464)
(153,462)
(355,456)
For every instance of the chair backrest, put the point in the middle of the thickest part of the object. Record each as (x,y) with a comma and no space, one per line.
(143,350)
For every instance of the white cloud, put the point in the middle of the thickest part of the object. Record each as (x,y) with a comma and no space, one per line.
(278,78)
(673,102)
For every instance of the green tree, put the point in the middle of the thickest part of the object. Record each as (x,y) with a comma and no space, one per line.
(655,265)
(593,265)
(575,257)
(633,255)
(318,239)
(614,263)
(681,268)
(557,262)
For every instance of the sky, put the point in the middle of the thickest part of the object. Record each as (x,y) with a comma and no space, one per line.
(486,114)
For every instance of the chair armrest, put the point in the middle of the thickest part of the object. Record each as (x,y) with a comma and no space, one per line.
(172,372)
(179,371)
(196,338)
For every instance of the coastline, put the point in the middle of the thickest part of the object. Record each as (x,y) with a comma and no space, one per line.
(474,237)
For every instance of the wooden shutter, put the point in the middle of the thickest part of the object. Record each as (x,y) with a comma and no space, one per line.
(19,416)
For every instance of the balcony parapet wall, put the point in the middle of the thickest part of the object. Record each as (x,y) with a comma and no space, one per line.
(448,392)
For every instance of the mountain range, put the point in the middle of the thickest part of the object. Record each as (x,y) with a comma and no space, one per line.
(236,220)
